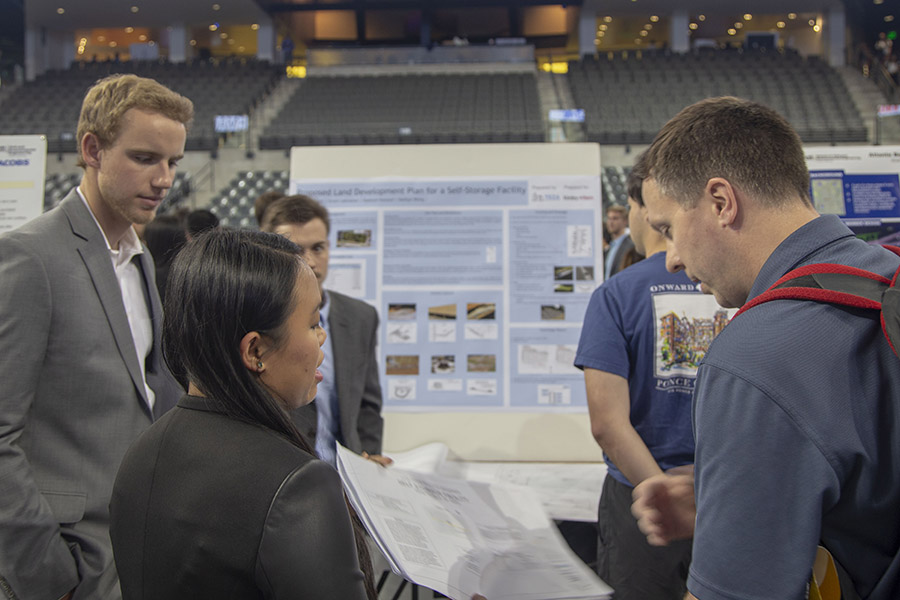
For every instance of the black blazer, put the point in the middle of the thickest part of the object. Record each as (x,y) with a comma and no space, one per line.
(205,506)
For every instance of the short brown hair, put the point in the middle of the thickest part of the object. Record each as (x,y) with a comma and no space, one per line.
(106,103)
(294,210)
(617,208)
(635,179)
(749,144)
(263,202)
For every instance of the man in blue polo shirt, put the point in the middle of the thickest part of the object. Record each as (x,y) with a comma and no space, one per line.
(797,403)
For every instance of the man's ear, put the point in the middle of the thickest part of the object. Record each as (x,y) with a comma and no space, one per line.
(725,201)
(252,348)
(90,150)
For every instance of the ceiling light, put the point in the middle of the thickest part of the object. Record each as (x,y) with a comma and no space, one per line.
(816,28)
(747,16)
(223,35)
(701,17)
(134,9)
(811,22)
(654,18)
(255,26)
(648,27)
(193,42)
(113,44)
(780,24)
(216,7)
(101,38)
(213,27)
(60,10)
(888,18)
(694,26)
(604,27)
(129,30)
(607,19)
(792,16)
(738,25)
(732,31)
(142,37)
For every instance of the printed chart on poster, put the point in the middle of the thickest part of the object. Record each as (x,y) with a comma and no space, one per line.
(480,260)
(860,184)
(23,160)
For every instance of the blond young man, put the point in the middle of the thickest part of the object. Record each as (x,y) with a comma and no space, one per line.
(80,325)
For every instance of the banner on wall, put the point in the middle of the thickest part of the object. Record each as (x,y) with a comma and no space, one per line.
(860,184)
(23,160)
(481,283)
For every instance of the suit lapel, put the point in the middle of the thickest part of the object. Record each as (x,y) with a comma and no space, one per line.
(341,347)
(93,251)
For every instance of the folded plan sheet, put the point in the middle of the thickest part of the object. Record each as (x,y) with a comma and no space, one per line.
(462,538)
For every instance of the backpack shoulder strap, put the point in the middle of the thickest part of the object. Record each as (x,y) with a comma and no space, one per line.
(842,285)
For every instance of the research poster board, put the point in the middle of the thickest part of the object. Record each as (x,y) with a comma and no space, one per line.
(23,160)
(860,184)
(481,260)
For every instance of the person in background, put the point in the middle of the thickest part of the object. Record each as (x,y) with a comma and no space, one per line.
(222,497)
(644,332)
(164,237)
(619,239)
(80,327)
(797,403)
(200,220)
(348,407)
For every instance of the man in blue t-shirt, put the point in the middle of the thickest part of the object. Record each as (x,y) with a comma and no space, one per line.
(797,403)
(644,333)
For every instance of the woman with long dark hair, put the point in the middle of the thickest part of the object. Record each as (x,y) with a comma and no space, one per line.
(222,497)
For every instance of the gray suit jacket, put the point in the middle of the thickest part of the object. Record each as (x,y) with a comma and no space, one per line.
(353,331)
(71,402)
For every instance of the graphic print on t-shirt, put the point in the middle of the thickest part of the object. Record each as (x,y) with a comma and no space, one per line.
(685,326)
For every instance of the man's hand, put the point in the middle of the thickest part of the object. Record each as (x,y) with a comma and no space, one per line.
(377,458)
(664,508)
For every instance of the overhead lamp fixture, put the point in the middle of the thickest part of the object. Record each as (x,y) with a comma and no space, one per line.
(607,19)
(748,16)
(216,7)
(142,37)
(648,27)
(60,10)
(888,18)
(654,18)
(701,17)
(113,44)
(780,24)
(792,16)
(134,9)
(129,30)
(811,22)
(694,27)
(816,28)
(732,31)
(738,25)
(255,26)
(213,27)
(644,33)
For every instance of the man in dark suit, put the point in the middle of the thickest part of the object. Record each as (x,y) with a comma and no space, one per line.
(83,374)
(347,408)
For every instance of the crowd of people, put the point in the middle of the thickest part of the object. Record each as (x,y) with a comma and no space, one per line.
(192,456)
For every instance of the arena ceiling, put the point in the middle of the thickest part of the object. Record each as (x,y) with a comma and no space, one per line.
(82,14)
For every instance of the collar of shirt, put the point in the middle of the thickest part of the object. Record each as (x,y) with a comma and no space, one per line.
(129,245)
(797,248)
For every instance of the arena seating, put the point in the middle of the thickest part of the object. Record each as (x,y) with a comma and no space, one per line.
(234,203)
(628,98)
(414,108)
(51,104)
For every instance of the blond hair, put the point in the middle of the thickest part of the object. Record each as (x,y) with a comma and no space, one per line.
(106,103)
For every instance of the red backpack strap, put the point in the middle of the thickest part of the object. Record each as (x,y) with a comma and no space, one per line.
(890,309)
(826,282)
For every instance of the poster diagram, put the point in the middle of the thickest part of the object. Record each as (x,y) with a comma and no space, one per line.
(860,184)
(457,266)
